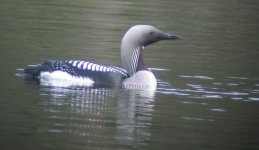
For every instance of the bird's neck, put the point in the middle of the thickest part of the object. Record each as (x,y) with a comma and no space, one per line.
(141,65)
(131,57)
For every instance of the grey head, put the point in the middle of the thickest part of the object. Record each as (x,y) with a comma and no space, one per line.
(133,43)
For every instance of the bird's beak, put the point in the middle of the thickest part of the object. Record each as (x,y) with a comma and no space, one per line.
(168,36)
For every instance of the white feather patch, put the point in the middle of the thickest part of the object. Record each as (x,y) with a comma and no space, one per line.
(93,67)
(74,63)
(85,65)
(63,79)
(101,68)
(79,64)
(89,66)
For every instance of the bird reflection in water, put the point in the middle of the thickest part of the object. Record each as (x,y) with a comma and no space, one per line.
(100,114)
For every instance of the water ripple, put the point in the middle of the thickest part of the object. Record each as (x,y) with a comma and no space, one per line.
(197,77)
(197,119)
(206,87)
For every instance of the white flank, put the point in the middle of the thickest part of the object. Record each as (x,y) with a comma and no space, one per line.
(63,79)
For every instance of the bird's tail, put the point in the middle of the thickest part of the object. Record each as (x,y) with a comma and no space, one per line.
(33,71)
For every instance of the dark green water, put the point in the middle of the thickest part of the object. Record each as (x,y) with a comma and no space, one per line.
(208,91)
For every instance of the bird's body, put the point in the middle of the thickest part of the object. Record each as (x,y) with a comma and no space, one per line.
(134,75)
(78,70)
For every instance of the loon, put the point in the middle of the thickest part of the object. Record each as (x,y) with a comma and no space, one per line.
(134,73)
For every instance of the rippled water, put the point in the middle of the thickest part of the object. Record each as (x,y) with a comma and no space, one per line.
(235,88)
(208,84)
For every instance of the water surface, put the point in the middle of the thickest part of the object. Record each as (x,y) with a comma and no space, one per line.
(208,84)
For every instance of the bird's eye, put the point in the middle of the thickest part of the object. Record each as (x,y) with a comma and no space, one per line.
(151,33)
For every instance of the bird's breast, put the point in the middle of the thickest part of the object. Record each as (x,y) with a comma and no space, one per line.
(143,79)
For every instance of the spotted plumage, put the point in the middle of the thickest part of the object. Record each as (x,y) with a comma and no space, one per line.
(100,74)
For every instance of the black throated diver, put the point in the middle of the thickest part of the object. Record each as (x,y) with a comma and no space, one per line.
(134,75)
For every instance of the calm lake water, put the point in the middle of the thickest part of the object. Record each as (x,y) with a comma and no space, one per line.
(208,90)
